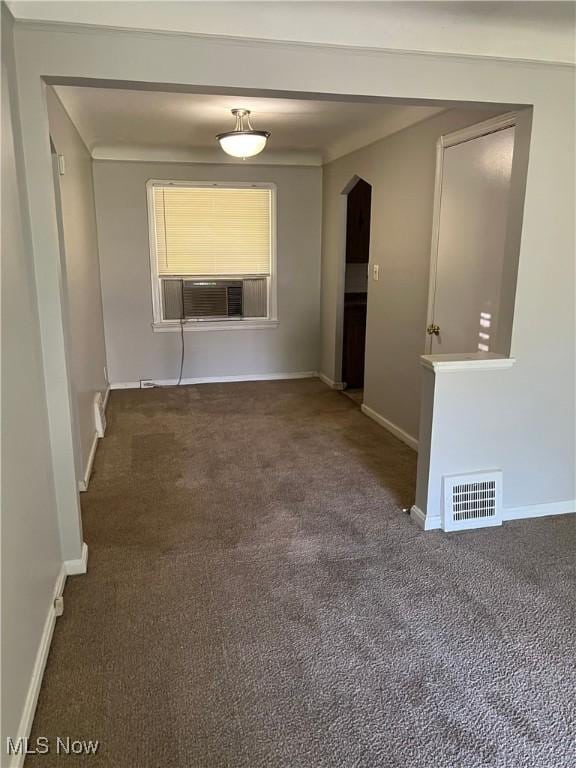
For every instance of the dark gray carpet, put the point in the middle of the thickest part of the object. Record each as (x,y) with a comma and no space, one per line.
(256,597)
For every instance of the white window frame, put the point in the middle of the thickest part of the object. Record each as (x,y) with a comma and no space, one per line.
(195,324)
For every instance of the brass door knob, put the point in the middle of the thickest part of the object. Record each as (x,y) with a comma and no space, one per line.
(433,330)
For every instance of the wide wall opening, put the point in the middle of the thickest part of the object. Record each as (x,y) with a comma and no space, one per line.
(338,250)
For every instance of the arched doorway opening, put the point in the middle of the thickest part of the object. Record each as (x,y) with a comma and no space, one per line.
(357,256)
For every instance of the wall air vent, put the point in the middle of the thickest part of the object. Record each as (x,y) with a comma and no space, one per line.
(472,501)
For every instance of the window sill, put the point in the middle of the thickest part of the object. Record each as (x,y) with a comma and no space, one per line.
(224,325)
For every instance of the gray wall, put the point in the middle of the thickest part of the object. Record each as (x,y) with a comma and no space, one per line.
(134,350)
(401,169)
(85,323)
(30,556)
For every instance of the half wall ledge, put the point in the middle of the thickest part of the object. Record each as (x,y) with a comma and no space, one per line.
(472,361)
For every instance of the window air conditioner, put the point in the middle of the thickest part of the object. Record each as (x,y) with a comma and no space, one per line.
(214,299)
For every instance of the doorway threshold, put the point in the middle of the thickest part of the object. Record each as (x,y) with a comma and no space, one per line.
(356,395)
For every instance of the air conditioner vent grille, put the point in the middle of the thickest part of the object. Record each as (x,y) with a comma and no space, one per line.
(472,501)
(205,299)
(234,294)
(208,298)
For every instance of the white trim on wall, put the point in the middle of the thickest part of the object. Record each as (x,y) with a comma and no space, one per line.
(145,154)
(540,510)
(150,383)
(530,512)
(498,123)
(111,30)
(27,718)
(68,568)
(83,484)
(421,521)
(79,566)
(395,430)
(339,385)
(171,326)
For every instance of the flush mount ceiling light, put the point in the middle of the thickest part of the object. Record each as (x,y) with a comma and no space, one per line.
(243,141)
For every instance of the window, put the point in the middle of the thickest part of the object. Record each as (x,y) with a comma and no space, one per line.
(212,254)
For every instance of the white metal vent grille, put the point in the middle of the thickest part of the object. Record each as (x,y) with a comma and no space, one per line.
(472,501)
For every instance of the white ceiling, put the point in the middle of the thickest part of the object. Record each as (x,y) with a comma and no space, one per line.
(541,31)
(133,124)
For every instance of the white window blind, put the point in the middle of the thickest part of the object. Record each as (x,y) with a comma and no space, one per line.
(205,231)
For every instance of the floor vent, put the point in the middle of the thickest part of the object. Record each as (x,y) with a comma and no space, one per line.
(472,501)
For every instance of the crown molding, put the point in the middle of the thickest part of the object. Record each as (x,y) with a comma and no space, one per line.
(382,129)
(72,27)
(143,154)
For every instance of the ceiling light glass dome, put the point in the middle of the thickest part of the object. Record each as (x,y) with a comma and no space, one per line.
(243,141)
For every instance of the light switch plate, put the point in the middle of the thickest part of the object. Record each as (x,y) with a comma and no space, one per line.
(376,271)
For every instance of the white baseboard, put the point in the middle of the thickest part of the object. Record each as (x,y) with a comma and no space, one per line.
(540,510)
(433,522)
(125,385)
(330,382)
(392,428)
(83,484)
(74,567)
(426,522)
(217,379)
(25,725)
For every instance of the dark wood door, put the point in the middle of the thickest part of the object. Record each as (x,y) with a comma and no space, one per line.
(354,342)
(358,223)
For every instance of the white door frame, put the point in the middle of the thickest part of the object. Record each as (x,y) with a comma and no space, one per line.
(484,128)
(337,382)
(75,417)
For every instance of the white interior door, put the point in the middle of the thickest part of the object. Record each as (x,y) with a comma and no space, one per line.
(472,222)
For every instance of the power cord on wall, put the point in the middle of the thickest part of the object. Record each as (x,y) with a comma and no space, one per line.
(146,383)
(181,333)
(181,351)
